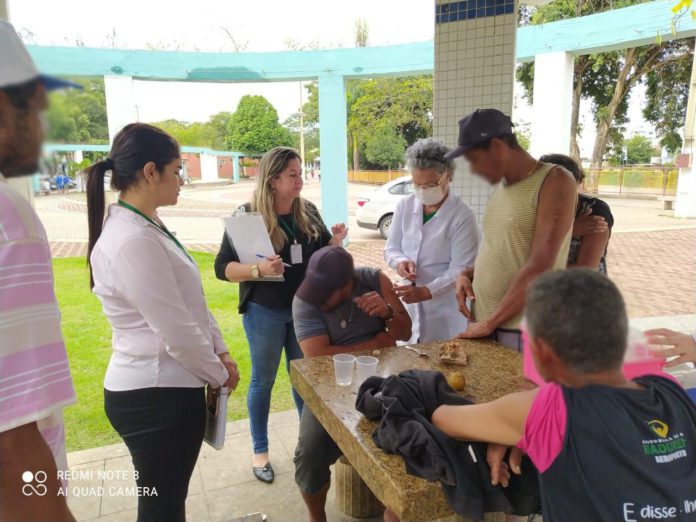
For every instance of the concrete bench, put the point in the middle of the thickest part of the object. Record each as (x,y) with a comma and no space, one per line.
(667,202)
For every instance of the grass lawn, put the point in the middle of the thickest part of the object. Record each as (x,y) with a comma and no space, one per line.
(88,338)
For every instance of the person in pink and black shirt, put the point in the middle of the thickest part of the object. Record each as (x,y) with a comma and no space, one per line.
(607,449)
(35,381)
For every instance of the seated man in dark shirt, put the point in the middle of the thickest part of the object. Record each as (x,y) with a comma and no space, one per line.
(592,225)
(338,309)
(606,448)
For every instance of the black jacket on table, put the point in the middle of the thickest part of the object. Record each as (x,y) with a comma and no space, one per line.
(404,404)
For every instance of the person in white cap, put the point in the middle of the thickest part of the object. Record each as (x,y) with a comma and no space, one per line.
(35,381)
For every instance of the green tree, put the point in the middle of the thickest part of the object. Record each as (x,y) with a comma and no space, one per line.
(385,147)
(606,79)
(218,125)
(194,134)
(405,104)
(523,139)
(402,104)
(311,136)
(639,150)
(254,128)
(79,116)
(211,134)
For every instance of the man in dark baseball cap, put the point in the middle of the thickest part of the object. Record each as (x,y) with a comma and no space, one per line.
(526,228)
(479,128)
(329,278)
(338,309)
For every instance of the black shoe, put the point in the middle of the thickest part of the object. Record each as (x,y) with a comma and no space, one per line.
(265,474)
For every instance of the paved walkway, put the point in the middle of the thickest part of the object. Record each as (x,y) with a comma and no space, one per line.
(656,271)
(222,488)
(651,254)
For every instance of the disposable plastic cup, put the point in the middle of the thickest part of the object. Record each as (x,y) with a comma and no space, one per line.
(343,367)
(367,366)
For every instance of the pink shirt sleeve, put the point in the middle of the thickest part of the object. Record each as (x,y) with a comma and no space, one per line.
(544,431)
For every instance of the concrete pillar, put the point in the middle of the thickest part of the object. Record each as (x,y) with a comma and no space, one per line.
(235,169)
(685,205)
(120,103)
(209,168)
(474,69)
(334,149)
(553,95)
(4,10)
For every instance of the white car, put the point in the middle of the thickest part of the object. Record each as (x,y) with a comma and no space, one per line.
(376,208)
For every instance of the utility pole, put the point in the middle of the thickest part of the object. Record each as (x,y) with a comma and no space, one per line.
(302,151)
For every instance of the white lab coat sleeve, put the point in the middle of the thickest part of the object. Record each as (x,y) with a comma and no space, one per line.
(464,248)
(148,282)
(393,252)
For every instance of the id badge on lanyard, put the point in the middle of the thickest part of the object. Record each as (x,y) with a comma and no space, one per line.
(296,253)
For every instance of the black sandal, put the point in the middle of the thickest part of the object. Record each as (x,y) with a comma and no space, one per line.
(265,474)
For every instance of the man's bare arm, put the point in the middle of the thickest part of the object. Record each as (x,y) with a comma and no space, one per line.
(24,449)
(320,345)
(501,421)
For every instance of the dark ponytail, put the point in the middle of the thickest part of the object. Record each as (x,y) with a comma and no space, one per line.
(134,146)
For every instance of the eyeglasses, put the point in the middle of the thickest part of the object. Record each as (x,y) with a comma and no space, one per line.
(426,186)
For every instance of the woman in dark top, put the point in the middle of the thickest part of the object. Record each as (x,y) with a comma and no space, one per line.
(297,231)
(592,225)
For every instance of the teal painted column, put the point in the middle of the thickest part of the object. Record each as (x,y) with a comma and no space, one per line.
(333,140)
(235,169)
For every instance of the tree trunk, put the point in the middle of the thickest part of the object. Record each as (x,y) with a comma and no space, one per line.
(356,153)
(581,63)
(605,122)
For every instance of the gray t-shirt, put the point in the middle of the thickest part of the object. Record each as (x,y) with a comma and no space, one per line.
(311,321)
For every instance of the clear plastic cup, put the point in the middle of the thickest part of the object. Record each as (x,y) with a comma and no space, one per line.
(367,366)
(343,367)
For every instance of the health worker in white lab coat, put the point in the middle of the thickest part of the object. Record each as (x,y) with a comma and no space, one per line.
(433,237)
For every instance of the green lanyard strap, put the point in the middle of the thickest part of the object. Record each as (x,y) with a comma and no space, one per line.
(160,226)
(287,229)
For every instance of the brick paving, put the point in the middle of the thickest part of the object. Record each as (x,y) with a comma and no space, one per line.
(652,255)
(656,271)
(222,211)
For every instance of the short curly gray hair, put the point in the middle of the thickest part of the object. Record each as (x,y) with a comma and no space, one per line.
(429,153)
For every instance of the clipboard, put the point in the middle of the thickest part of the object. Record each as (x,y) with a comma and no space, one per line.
(216,416)
(247,233)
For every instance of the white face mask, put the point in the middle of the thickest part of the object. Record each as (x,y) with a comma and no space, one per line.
(430,196)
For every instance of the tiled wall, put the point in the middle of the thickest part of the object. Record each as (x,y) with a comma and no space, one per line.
(474,69)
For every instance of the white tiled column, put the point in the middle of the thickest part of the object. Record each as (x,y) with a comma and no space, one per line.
(685,205)
(553,95)
(209,168)
(120,103)
(474,69)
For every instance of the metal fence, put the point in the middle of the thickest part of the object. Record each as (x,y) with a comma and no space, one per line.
(632,181)
(621,181)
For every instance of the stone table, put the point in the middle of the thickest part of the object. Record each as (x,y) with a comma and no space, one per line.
(492,371)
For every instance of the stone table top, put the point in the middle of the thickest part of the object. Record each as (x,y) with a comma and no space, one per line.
(492,371)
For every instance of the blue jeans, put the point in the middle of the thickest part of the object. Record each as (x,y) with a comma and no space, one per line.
(268,331)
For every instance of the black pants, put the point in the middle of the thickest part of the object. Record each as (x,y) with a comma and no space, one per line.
(163,429)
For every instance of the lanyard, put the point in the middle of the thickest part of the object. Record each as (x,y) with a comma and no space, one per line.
(160,226)
(287,229)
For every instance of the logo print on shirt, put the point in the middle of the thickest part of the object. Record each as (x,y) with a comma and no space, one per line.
(659,427)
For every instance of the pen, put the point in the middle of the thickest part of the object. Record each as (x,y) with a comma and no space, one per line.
(264,257)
